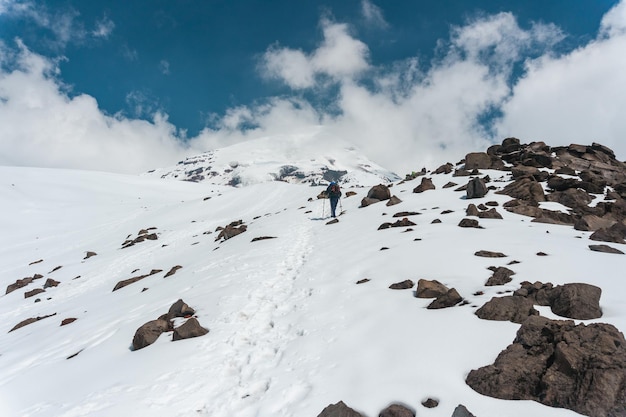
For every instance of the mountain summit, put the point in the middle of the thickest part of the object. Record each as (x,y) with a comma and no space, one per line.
(310,158)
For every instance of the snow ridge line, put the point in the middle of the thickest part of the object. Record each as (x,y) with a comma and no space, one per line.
(264,330)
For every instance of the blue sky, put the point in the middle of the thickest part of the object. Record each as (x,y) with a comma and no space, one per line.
(167,78)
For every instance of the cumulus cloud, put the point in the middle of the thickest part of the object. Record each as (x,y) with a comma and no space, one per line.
(43,126)
(404,116)
(340,56)
(373,15)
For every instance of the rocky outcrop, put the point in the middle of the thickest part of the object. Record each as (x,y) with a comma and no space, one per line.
(142,235)
(400,223)
(430,289)
(501,275)
(508,308)
(397,410)
(231,230)
(476,188)
(560,364)
(426,184)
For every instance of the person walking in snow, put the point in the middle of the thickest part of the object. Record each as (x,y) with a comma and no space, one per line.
(333,192)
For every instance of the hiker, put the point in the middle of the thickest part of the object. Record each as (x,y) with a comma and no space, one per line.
(333,192)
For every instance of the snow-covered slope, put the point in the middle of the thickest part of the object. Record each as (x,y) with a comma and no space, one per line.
(313,157)
(290,330)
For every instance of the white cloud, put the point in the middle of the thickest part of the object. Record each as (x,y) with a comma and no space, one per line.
(339,56)
(372,14)
(614,22)
(104,28)
(164,67)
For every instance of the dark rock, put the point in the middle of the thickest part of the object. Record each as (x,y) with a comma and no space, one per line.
(191,328)
(363,281)
(404,285)
(50,283)
(34,292)
(560,364)
(449,299)
(436,221)
(89,254)
(524,189)
(539,293)
(554,217)
(396,410)
(426,184)
(400,223)
(450,184)
(444,169)
(338,410)
(172,271)
(406,213)
(591,223)
(124,283)
(476,188)
(30,321)
(430,403)
(509,308)
(461,411)
(615,234)
(180,309)
(67,321)
(489,254)
(149,333)
(369,201)
(471,210)
(233,229)
(19,284)
(256,239)
(470,223)
(36,262)
(577,301)
(501,275)
(430,289)
(393,201)
(477,160)
(333,221)
(490,214)
(605,249)
(379,192)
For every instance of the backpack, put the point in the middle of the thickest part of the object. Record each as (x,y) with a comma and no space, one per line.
(334,191)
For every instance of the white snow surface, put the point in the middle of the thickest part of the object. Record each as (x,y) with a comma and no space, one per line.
(290,330)
(312,157)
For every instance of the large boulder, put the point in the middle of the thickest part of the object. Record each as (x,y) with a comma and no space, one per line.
(396,410)
(560,364)
(524,189)
(150,332)
(576,301)
(477,160)
(426,184)
(430,289)
(449,299)
(476,188)
(191,328)
(379,192)
(615,234)
(508,308)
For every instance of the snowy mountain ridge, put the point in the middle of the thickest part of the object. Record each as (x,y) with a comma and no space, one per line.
(310,158)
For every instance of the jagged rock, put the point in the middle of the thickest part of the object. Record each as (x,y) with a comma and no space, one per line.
(462,411)
(561,184)
(256,239)
(426,184)
(489,254)
(143,235)
(501,275)
(51,283)
(554,217)
(490,214)
(471,210)
(363,281)
(400,223)
(524,208)
(89,254)
(233,229)
(539,293)
(576,301)
(560,364)
(450,184)
(172,271)
(605,249)
(396,410)
(430,403)
(149,333)
(477,160)
(333,221)
(572,197)
(449,299)
(524,189)
(430,289)
(522,171)
(404,285)
(30,321)
(34,292)
(508,308)
(444,169)
(19,284)
(379,192)
(615,234)
(476,188)
(591,223)
(180,309)
(191,328)
(338,410)
(393,201)
(124,283)
(470,223)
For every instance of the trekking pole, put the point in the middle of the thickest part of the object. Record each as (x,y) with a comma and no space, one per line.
(323,206)
(340,207)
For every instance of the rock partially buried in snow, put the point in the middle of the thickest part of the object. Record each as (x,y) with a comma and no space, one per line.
(430,289)
(191,328)
(149,332)
(605,249)
(339,409)
(426,184)
(509,308)
(462,411)
(397,410)
(404,285)
(577,301)
(449,299)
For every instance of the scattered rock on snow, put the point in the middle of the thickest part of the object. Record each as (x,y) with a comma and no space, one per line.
(449,299)
(231,230)
(393,201)
(576,301)
(30,321)
(256,239)
(476,188)
(89,254)
(462,411)
(430,403)
(404,285)
(430,289)
(397,410)
(426,184)
(605,249)
(19,284)
(501,275)
(67,321)
(148,333)
(339,409)
(470,223)
(489,254)
(172,271)
(51,283)
(124,283)
(34,292)
(508,308)
(191,328)
(400,223)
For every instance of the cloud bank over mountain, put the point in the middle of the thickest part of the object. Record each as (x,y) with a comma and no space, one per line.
(490,79)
